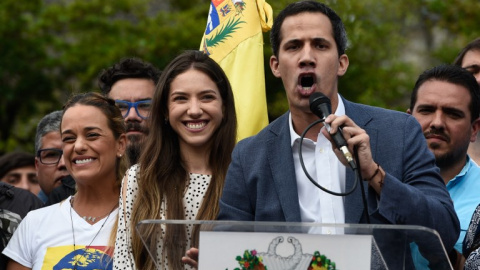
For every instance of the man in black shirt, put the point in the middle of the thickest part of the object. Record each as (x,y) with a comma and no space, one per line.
(15,203)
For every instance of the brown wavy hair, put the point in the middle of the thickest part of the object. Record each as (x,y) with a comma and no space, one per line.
(163,175)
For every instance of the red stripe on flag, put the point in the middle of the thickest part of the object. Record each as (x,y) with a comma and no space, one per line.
(216,3)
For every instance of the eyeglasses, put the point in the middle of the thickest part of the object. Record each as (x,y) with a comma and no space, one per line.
(474,69)
(49,156)
(141,107)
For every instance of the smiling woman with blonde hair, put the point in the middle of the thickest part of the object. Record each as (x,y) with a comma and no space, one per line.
(75,233)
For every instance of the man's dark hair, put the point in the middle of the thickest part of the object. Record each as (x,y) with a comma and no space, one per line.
(15,160)
(125,69)
(455,75)
(339,33)
(473,45)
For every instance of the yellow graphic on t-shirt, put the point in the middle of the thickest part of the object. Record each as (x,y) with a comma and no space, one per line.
(64,257)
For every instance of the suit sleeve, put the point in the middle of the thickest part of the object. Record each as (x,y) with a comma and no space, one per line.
(417,195)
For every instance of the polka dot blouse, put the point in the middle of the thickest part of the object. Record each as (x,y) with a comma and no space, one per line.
(123,257)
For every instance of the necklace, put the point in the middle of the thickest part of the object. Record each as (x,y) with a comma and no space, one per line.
(92,219)
(77,258)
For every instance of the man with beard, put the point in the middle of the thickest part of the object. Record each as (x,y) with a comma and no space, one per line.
(469,59)
(446,103)
(131,83)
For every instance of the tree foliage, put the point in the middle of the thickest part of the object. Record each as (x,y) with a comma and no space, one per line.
(50,49)
(390,44)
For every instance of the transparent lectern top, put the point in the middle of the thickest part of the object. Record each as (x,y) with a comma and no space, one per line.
(290,245)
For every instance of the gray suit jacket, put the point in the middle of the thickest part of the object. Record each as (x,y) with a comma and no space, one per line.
(261,185)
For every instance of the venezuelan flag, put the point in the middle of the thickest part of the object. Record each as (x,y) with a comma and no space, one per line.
(233,38)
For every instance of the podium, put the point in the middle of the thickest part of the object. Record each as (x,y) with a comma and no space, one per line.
(291,245)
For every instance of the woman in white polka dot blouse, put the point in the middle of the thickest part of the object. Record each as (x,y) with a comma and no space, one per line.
(181,172)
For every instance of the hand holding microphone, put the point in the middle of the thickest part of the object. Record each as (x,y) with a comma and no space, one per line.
(320,105)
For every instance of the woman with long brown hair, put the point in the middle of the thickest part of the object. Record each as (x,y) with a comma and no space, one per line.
(183,167)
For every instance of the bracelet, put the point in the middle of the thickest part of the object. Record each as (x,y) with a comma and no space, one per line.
(374,174)
(382,175)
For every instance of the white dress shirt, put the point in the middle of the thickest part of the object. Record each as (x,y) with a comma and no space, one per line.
(324,167)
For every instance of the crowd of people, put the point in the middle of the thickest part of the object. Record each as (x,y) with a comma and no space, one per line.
(162,145)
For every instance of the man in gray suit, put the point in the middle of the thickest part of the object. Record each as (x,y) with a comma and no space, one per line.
(266,182)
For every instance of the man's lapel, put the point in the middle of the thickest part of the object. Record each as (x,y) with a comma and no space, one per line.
(280,159)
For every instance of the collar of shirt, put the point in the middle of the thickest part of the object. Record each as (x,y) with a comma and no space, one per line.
(463,172)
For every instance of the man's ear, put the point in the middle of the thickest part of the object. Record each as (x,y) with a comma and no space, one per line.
(37,162)
(409,111)
(475,129)
(343,65)
(274,66)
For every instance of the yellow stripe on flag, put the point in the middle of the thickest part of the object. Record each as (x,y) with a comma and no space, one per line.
(233,38)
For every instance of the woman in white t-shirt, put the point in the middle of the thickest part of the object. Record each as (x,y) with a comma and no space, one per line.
(182,169)
(75,233)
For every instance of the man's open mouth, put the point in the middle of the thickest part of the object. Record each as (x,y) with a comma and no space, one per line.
(307,81)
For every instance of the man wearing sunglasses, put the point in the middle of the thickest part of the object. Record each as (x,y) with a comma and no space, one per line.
(49,164)
(131,83)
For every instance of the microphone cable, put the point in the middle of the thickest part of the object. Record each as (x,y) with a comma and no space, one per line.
(357,174)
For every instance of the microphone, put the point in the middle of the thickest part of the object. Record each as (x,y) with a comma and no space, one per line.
(321,106)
